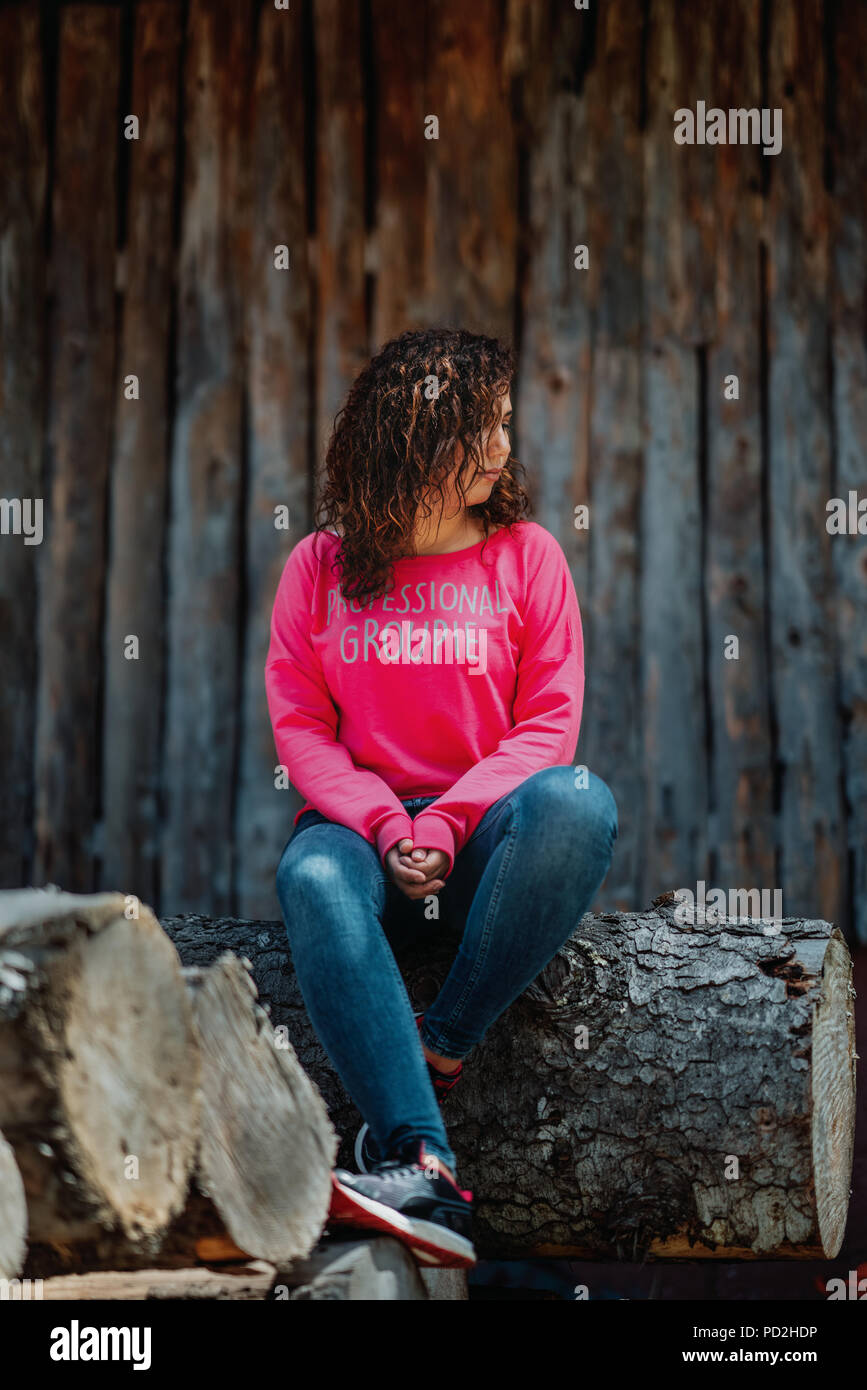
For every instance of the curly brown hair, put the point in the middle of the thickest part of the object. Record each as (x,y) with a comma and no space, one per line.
(394,442)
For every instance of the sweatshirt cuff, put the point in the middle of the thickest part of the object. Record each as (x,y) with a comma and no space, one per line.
(430,831)
(396,827)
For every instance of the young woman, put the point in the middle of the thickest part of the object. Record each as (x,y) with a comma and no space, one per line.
(425,681)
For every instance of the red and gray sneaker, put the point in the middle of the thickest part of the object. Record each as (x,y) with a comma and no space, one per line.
(443,1082)
(408,1196)
(367,1153)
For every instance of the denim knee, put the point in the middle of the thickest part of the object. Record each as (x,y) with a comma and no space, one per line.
(559,794)
(597,807)
(311,876)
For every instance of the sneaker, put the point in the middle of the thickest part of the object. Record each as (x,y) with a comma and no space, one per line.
(367,1153)
(443,1082)
(429,1214)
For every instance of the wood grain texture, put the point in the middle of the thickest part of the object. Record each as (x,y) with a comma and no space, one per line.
(371,1271)
(677,307)
(306,128)
(472,175)
(267,1146)
(848,299)
(552,395)
(737,691)
(22,375)
(135,594)
(13,1214)
(812,827)
(83,398)
(278,311)
(341,231)
(610,741)
(99,1067)
(206,467)
(400,298)
(242,1282)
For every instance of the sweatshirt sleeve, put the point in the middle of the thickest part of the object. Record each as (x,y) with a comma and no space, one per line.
(547,709)
(305,720)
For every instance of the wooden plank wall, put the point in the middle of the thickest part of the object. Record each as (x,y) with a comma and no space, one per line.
(741,773)
(849,415)
(206,554)
(81,399)
(278,321)
(23,178)
(812,826)
(152,770)
(136,597)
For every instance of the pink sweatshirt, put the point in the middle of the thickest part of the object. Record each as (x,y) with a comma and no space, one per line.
(460,683)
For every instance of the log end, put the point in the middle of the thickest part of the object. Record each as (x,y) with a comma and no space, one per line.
(833,1093)
(13,1214)
(267,1145)
(127,1072)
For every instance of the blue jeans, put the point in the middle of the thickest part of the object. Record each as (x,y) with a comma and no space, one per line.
(518,889)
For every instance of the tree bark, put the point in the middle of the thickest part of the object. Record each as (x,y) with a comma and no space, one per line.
(98,1067)
(708,1110)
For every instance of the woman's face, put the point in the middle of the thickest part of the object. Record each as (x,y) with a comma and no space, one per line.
(477,484)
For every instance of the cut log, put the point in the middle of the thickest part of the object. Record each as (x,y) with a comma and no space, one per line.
(244,1283)
(263,1170)
(98,1067)
(445,1284)
(708,1111)
(263,1155)
(13,1214)
(371,1270)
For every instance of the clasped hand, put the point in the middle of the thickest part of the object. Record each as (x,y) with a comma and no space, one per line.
(417,872)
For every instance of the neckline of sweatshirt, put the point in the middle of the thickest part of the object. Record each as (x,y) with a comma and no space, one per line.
(357,735)
(465,552)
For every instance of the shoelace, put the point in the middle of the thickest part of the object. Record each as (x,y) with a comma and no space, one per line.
(394,1168)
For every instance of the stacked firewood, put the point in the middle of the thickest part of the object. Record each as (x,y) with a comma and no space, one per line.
(672,1086)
